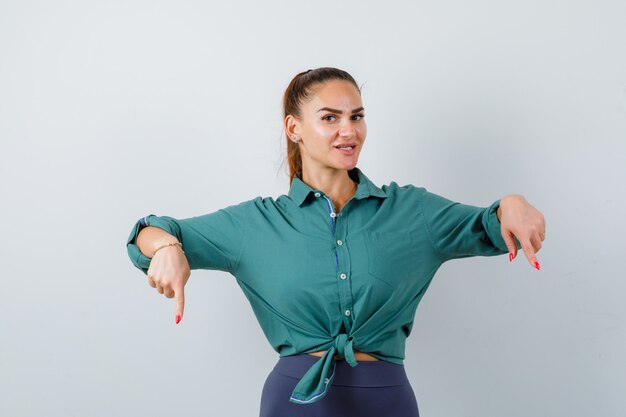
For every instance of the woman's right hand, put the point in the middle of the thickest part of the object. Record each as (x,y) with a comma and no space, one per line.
(168,273)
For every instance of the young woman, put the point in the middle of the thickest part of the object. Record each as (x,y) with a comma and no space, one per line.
(335,269)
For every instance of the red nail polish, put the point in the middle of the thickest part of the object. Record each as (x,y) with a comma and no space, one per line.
(177,318)
(510,256)
(537,266)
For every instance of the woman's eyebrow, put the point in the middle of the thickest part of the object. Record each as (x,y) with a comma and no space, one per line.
(339,111)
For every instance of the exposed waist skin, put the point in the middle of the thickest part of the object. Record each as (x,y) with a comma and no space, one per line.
(359,356)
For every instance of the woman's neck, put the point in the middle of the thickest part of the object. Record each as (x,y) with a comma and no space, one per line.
(335,183)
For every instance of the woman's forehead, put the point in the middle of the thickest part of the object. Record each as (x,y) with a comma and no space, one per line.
(336,94)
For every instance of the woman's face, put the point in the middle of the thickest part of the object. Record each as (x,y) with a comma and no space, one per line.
(333,117)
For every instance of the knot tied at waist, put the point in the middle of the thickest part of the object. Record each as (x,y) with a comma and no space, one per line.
(317,380)
(344,348)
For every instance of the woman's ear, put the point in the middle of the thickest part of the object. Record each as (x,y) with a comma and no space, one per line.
(292,126)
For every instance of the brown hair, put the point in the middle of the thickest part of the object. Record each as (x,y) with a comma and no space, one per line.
(298,90)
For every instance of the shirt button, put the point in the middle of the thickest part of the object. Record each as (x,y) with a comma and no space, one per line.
(343,276)
(347,312)
(317,194)
(339,242)
(333,214)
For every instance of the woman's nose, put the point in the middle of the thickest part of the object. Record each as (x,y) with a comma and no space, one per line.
(347,129)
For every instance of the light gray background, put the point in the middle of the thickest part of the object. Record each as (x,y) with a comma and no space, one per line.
(113,110)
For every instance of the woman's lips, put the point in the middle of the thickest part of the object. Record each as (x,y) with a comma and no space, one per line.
(347,151)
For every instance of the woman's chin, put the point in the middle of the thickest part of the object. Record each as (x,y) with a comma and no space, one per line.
(348,165)
(348,162)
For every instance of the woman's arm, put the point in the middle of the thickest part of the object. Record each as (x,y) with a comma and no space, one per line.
(150,238)
(210,241)
(168,270)
(519,219)
(461,230)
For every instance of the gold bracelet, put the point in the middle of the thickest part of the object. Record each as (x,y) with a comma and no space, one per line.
(169,244)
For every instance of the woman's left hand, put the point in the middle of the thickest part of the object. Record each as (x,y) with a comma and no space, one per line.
(521,220)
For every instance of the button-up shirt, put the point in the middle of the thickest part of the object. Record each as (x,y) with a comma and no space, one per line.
(341,282)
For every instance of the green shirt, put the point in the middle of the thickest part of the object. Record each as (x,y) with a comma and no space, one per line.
(321,280)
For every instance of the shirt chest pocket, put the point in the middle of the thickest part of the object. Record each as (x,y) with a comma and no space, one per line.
(392,256)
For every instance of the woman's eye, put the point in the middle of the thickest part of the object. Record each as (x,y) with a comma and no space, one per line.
(328,117)
(358,116)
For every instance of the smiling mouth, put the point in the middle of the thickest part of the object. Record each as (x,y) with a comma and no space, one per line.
(346,148)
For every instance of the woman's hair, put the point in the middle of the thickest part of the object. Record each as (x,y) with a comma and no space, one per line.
(297,92)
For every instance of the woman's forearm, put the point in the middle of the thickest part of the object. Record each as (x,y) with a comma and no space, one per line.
(151,237)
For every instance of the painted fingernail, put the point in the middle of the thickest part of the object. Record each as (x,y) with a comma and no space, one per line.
(537,266)
(510,256)
(177,318)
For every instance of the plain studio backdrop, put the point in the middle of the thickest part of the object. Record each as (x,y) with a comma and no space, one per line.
(113,110)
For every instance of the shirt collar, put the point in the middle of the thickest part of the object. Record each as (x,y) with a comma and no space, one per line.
(299,190)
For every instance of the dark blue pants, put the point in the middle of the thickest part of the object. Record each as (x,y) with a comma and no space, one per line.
(370,389)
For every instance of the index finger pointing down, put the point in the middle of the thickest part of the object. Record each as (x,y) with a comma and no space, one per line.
(179,298)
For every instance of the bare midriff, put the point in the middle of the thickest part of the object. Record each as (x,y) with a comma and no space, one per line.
(359,356)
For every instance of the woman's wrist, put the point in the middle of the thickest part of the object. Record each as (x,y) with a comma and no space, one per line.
(150,238)
(507,201)
(169,245)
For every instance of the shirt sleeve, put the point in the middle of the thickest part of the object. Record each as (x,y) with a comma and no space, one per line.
(460,230)
(211,241)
